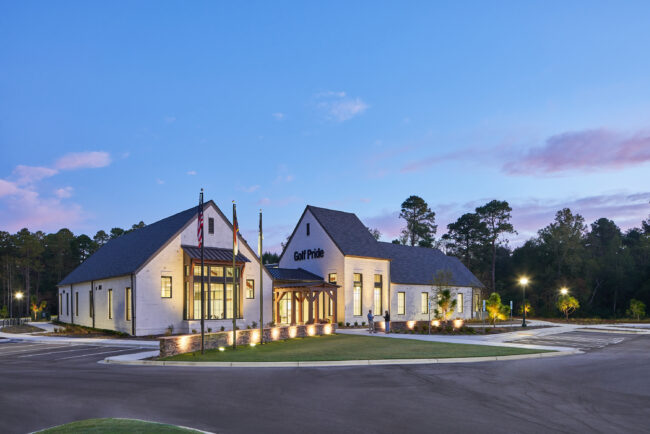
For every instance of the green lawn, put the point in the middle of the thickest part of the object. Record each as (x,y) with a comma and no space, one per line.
(347,347)
(125,426)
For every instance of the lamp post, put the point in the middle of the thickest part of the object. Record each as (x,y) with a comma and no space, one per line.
(523,282)
(19,296)
(564,290)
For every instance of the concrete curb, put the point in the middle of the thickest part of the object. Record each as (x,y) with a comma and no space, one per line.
(333,363)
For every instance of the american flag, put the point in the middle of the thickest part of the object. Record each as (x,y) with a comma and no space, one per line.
(235,229)
(199,226)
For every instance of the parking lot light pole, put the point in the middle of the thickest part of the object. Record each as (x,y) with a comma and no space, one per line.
(523,282)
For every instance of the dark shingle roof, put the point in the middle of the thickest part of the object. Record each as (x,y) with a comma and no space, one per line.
(213,254)
(292,274)
(348,233)
(419,265)
(125,254)
(414,265)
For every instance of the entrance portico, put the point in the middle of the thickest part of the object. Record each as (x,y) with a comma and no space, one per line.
(301,297)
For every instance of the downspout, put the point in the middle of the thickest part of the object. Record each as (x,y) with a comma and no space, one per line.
(132,305)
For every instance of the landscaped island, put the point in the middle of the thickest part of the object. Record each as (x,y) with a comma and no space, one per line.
(347,347)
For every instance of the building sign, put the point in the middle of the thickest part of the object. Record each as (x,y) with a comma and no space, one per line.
(308,254)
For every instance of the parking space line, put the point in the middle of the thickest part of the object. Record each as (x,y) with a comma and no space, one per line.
(96,354)
(54,352)
(9,353)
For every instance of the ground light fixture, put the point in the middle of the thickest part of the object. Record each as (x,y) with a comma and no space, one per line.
(222,348)
(523,281)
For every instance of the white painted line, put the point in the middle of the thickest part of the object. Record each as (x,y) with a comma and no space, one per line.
(95,354)
(53,352)
(9,353)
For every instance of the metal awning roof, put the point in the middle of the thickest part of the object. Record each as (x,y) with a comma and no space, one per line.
(213,254)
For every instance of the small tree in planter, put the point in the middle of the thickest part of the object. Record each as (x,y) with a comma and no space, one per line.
(567,305)
(442,296)
(495,309)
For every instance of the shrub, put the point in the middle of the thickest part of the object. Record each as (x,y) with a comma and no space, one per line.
(209,329)
(637,309)
(356,324)
(194,331)
(222,328)
(347,324)
(254,324)
(340,323)
(170,330)
(363,324)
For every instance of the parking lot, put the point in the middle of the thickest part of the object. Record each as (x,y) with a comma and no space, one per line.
(583,340)
(19,352)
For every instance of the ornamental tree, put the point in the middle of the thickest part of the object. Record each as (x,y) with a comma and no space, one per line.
(567,305)
(495,309)
(637,309)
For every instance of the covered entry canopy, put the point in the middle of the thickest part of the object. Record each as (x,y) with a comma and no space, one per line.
(292,287)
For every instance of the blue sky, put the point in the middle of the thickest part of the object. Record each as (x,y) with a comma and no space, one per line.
(118,112)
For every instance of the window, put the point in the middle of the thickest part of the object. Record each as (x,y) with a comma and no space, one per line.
(90,303)
(307,229)
(127,304)
(331,278)
(378,295)
(197,270)
(401,303)
(67,304)
(424,301)
(166,286)
(216,300)
(210,225)
(459,303)
(60,303)
(357,308)
(110,304)
(250,288)
(187,270)
(76,302)
(216,271)
(229,300)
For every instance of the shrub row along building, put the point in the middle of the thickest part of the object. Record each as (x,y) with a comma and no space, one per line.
(147,282)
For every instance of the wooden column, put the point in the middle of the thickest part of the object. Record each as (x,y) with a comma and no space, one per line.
(293,308)
(301,311)
(336,307)
(317,300)
(311,307)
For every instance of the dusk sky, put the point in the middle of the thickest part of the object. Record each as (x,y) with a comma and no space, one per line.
(119,112)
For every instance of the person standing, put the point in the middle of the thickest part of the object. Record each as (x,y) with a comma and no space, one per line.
(371,322)
(387,322)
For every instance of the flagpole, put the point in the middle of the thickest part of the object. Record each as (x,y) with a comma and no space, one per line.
(202,281)
(234,276)
(261,283)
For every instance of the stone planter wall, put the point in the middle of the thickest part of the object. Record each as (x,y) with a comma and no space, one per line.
(171,345)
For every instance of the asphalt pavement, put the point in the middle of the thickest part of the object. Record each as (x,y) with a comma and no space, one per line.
(607,389)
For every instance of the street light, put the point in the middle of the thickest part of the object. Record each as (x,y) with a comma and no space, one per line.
(523,282)
(564,290)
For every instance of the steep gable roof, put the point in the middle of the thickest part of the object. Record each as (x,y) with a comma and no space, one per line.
(126,253)
(345,229)
(409,265)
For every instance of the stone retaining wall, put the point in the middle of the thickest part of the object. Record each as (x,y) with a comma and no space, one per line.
(171,345)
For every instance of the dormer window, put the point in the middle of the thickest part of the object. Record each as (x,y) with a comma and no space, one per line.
(210,225)
(307,229)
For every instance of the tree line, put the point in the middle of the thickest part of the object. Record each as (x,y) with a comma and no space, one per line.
(32,263)
(605,269)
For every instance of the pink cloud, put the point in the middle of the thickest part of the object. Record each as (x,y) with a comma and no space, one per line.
(26,209)
(583,150)
(31,174)
(83,160)
(8,188)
